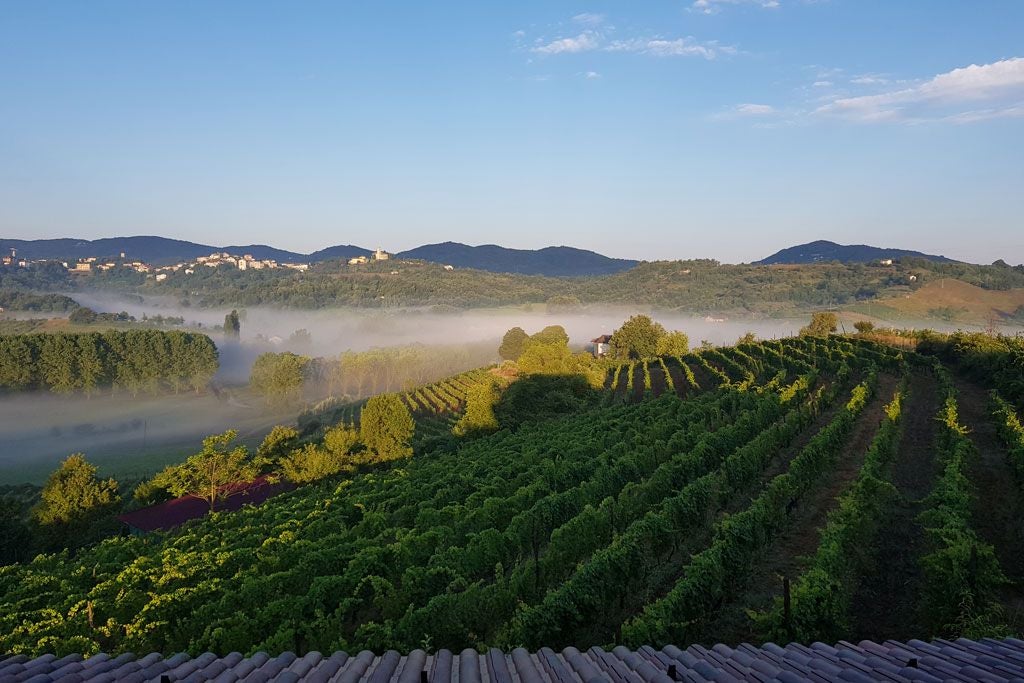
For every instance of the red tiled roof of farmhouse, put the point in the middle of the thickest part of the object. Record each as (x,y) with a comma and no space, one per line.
(603,339)
(180,510)
(940,660)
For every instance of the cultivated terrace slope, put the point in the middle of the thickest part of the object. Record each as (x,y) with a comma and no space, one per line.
(646,517)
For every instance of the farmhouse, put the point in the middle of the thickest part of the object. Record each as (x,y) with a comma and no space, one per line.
(602,345)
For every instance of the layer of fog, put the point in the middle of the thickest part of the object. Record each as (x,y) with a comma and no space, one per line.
(136,436)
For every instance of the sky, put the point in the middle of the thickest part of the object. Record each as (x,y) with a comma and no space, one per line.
(661,129)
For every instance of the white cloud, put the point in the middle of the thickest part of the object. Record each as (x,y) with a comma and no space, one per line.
(754,110)
(999,85)
(589,19)
(591,75)
(870,79)
(584,42)
(679,47)
(822,84)
(713,6)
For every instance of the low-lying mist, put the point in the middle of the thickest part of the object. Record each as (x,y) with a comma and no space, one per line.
(135,436)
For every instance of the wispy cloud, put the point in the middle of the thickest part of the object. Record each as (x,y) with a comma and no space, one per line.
(758,112)
(714,6)
(588,40)
(678,47)
(591,33)
(589,19)
(591,75)
(951,96)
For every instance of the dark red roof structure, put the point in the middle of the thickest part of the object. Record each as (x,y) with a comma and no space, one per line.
(180,510)
(603,339)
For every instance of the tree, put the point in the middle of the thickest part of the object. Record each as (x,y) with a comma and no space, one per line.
(301,338)
(479,416)
(513,344)
(341,439)
(278,376)
(386,427)
(15,537)
(552,334)
(747,338)
(637,338)
(561,303)
(310,463)
(73,494)
(822,324)
(279,441)
(209,474)
(232,325)
(864,326)
(673,344)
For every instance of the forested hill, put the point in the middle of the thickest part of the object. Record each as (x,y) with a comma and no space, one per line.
(553,261)
(823,251)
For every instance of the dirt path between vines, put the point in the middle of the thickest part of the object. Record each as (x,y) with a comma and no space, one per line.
(788,554)
(887,603)
(998,504)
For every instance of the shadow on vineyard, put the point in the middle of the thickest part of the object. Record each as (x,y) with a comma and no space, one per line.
(660,500)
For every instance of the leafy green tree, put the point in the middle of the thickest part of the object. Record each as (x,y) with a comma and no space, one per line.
(864,327)
(310,463)
(232,325)
(545,359)
(341,439)
(823,323)
(277,443)
(479,417)
(17,366)
(746,338)
(73,494)
(207,474)
(637,338)
(386,427)
(513,344)
(673,344)
(301,338)
(552,334)
(279,376)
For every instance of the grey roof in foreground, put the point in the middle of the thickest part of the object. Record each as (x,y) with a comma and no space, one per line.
(915,660)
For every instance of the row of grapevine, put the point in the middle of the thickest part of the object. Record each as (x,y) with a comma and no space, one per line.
(713,573)
(1011,432)
(822,596)
(962,576)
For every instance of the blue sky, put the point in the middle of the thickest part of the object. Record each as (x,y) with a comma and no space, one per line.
(658,129)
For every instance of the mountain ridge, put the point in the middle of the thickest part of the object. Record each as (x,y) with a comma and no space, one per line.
(824,251)
(551,261)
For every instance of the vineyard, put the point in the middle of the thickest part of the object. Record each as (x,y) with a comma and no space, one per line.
(802,489)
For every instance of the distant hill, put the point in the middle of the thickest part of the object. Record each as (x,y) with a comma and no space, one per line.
(152,249)
(553,261)
(161,250)
(824,251)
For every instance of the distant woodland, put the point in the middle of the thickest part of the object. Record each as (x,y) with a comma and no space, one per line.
(135,361)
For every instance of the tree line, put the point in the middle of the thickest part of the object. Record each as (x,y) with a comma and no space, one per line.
(136,361)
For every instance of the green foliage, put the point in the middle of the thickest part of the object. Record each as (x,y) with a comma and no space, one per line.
(747,338)
(232,325)
(132,360)
(15,537)
(209,474)
(279,376)
(13,300)
(73,493)
(864,327)
(513,344)
(638,338)
(277,443)
(674,343)
(386,428)
(561,304)
(822,598)
(553,335)
(479,416)
(312,462)
(823,323)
